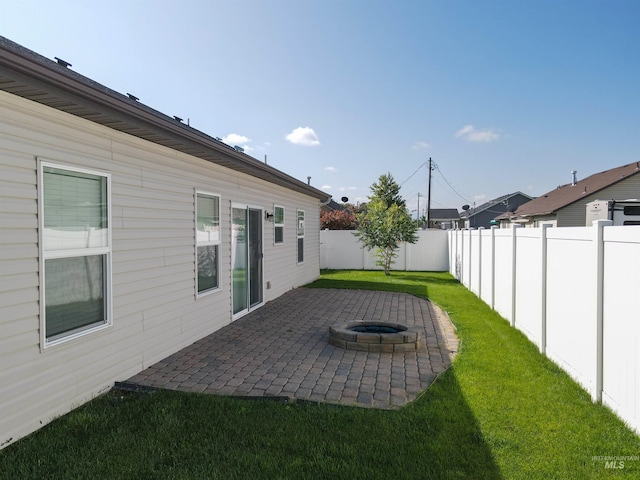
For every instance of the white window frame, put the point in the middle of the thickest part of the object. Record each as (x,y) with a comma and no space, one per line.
(278,225)
(299,236)
(215,242)
(71,253)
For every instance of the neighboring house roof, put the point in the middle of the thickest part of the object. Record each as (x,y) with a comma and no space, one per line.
(443,214)
(567,194)
(29,75)
(332,206)
(487,206)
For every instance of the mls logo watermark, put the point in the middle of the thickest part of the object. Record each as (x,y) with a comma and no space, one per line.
(615,462)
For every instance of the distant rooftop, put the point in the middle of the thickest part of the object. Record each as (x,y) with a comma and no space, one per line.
(569,193)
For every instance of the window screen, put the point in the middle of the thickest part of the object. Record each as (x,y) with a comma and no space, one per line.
(76,248)
(278,227)
(207,242)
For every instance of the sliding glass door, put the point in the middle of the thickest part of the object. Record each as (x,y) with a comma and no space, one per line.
(246,258)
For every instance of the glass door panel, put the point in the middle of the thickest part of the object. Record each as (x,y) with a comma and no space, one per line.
(255,257)
(246,258)
(239,258)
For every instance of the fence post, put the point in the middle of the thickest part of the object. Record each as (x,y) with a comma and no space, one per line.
(513,273)
(599,247)
(493,267)
(480,262)
(543,299)
(452,251)
(470,261)
(461,273)
(455,254)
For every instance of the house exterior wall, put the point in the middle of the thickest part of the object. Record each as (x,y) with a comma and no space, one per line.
(574,215)
(483,218)
(155,309)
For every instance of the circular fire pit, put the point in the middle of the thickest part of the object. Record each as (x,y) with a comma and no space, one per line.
(376,337)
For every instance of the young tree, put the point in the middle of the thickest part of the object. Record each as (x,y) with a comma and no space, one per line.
(386,222)
(387,190)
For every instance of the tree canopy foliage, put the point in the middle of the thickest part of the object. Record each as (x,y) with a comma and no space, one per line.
(386,223)
(387,190)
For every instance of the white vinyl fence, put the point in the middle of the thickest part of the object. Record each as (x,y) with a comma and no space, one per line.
(340,249)
(574,292)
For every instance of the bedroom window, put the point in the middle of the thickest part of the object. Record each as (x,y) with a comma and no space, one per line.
(207,243)
(278,225)
(300,234)
(75,242)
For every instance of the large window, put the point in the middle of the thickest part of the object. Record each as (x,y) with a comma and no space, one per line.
(75,244)
(300,232)
(207,242)
(278,225)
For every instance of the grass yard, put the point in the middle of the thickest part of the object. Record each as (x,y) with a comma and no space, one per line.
(501,411)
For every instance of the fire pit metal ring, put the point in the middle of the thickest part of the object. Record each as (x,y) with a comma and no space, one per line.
(377,337)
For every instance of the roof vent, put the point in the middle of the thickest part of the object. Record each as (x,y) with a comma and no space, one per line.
(574,178)
(133,97)
(238,148)
(177,118)
(62,62)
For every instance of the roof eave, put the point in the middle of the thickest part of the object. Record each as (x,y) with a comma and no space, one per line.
(58,88)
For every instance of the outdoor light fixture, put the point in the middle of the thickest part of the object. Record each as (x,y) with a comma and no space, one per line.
(268,216)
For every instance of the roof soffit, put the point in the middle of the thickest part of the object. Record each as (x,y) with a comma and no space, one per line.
(25,75)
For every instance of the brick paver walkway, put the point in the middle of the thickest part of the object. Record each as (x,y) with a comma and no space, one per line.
(282,350)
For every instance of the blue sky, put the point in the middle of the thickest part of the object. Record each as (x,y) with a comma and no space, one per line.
(505,96)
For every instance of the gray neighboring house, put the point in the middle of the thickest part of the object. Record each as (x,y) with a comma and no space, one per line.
(332,206)
(444,218)
(566,205)
(485,215)
(125,235)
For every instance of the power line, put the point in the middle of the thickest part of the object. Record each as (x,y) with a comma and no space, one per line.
(411,176)
(451,186)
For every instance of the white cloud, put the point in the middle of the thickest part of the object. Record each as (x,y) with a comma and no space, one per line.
(469,133)
(235,139)
(330,169)
(326,187)
(352,188)
(304,136)
(420,146)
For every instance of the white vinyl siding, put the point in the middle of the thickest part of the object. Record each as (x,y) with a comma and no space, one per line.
(278,225)
(207,243)
(76,249)
(154,309)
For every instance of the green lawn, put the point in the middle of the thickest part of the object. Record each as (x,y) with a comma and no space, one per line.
(501,411)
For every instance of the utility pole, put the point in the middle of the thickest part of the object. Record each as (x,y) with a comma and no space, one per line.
(429,194)
(418,215)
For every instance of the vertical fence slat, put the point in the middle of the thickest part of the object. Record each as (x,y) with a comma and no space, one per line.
(599,254)
(514,242)
(543,300)
(580,324)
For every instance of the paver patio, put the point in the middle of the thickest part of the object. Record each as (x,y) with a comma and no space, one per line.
(282,350)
